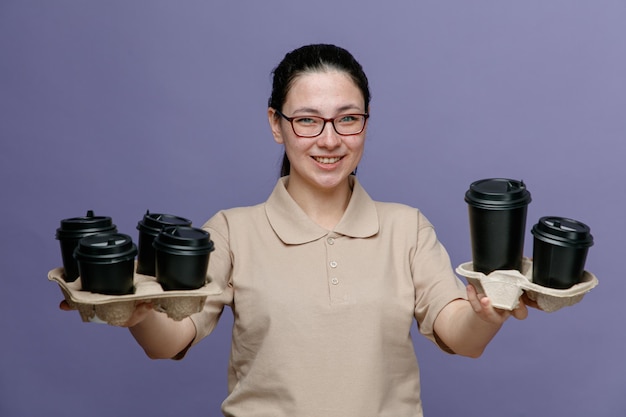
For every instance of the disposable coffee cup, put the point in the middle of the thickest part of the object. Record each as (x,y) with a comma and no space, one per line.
(560,248)
(182,257)
(72,230)
(106,262)
(497,218)
(149,227)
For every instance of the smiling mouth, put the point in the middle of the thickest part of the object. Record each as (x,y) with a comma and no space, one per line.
(326,160)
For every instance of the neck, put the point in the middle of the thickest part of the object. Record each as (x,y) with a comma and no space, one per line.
(324,206)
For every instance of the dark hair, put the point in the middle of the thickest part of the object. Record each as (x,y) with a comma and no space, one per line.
(313,58)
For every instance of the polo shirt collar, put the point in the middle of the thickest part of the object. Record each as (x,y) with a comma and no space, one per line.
(293,226)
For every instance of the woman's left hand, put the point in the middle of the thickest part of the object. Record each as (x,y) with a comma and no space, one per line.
(467,326)
(481,304)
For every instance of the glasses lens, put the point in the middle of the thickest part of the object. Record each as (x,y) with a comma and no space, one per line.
(308,126)
(349,124)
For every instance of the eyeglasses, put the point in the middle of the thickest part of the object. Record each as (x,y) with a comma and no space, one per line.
(312,126)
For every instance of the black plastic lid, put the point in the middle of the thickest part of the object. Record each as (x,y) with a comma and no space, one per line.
(498,193)
(152,223)
(563,232)
(183,238)
(105,247)
(77,226)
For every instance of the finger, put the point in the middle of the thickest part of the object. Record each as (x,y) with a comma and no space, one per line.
(529,302)
(64,305)
(142,309)
(494,314)
(491,311)
(521,312)
(473,298)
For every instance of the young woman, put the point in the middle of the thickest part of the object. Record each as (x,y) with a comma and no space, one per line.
(324,283)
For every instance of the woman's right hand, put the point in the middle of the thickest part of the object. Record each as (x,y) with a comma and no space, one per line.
(142,310)
(158,335)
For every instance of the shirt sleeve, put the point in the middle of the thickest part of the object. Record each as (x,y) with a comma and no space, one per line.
(436,285)
(219,272)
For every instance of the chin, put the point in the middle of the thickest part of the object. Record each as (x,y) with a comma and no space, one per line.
(331,181)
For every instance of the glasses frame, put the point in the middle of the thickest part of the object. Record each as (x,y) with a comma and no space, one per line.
(331,120)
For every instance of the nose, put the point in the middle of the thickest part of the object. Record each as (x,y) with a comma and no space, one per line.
(329,138)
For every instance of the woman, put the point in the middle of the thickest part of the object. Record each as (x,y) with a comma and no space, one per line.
(324,283)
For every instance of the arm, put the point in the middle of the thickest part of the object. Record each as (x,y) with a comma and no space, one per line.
(158,335)
(163,338)
(467,326)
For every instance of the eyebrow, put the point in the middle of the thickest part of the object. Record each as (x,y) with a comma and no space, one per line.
(340,110)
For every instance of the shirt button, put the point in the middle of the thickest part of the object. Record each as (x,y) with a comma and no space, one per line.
(334,281)
(333,264)
(330,241)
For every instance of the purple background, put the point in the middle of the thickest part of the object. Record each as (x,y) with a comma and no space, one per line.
(122,106)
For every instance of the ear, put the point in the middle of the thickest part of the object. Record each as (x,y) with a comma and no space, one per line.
(275,125)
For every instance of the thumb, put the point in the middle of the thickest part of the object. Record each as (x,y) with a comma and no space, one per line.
(521,312)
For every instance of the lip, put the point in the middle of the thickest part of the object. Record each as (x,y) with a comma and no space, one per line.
(327,165)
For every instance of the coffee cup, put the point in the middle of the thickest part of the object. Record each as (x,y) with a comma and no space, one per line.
(497,218)
(560,248)
(149,227)
(72,230)
(182,257)
(106,262)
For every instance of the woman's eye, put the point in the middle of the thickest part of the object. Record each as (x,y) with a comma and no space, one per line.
(348,118)
(306,120)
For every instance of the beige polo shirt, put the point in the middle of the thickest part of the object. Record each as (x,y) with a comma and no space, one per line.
(322,318)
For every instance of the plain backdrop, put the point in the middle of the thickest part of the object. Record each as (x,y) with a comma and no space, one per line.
(121,106)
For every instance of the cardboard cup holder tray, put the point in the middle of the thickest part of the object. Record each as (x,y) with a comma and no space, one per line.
(117,309)
(505,287)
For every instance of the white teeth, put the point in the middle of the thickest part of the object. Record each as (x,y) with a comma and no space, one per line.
(327,160)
